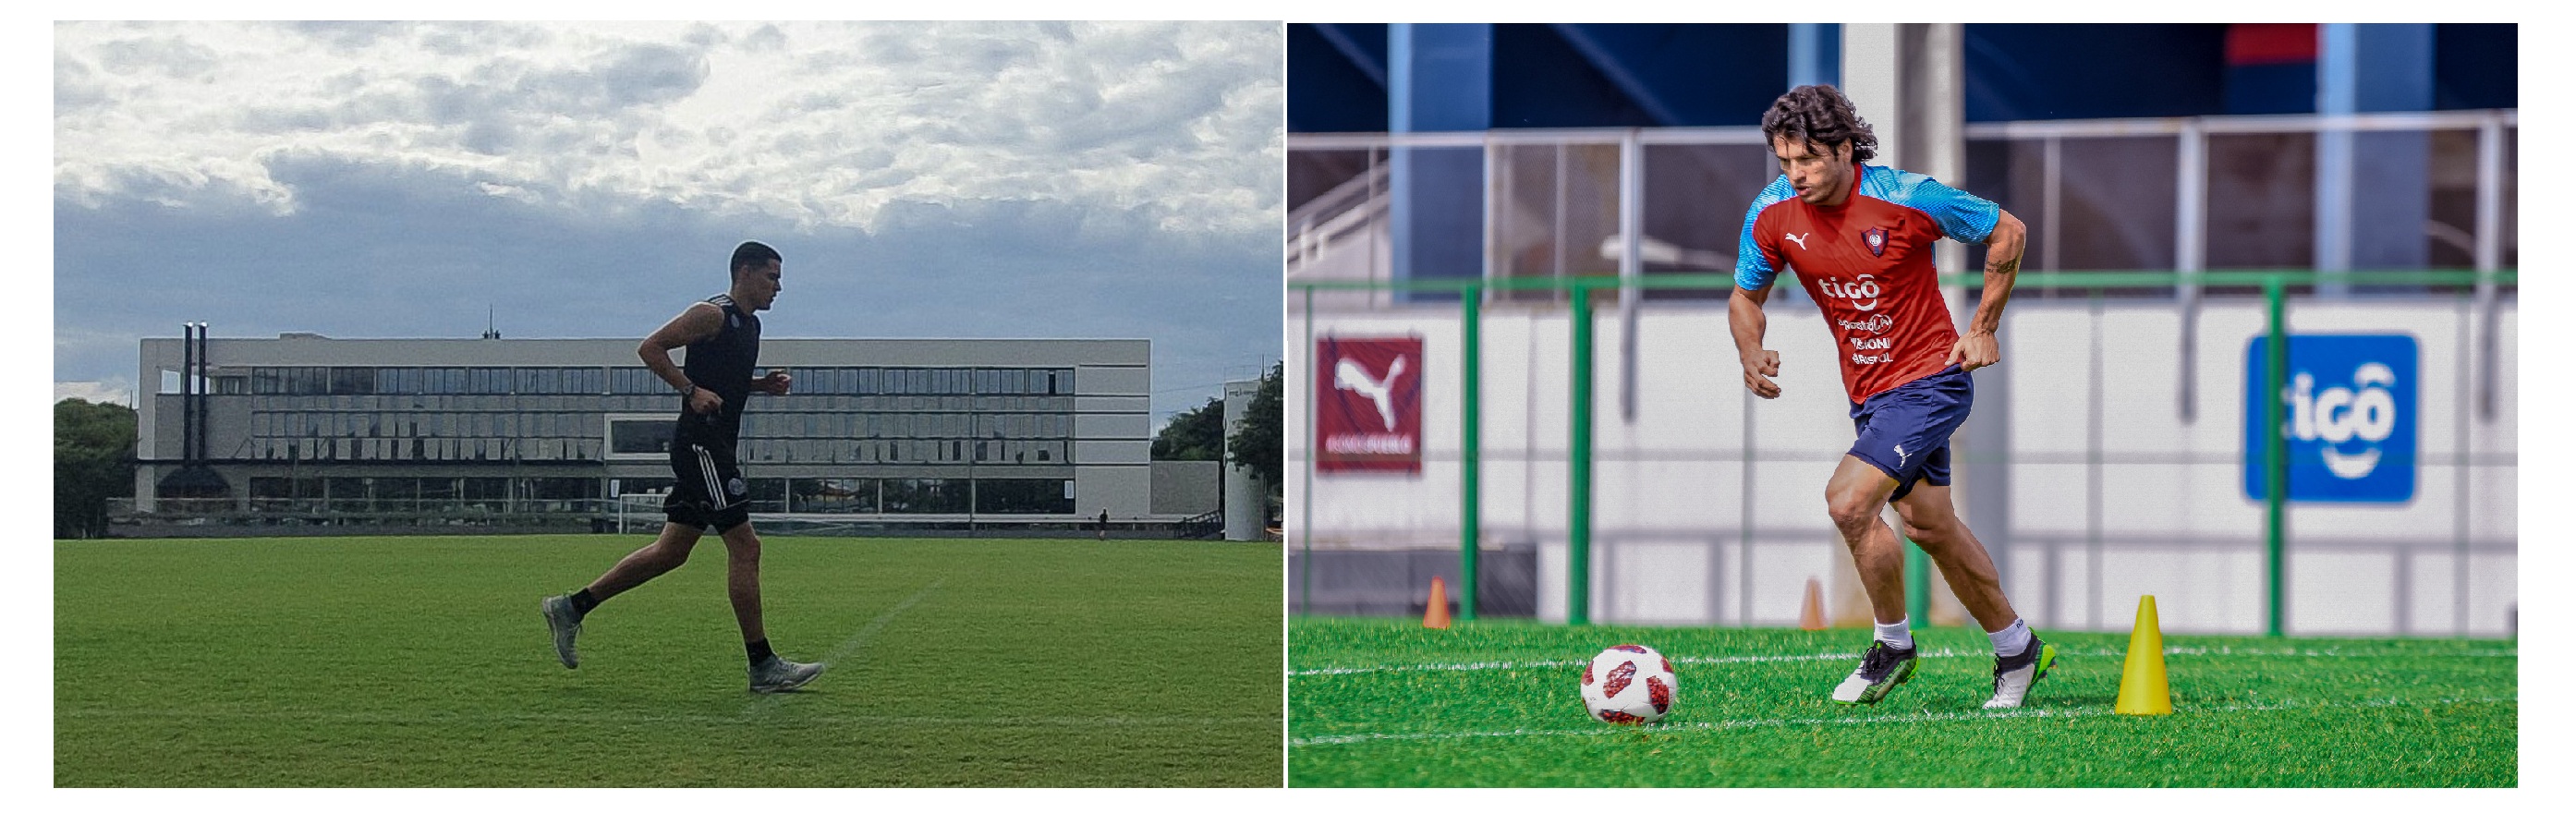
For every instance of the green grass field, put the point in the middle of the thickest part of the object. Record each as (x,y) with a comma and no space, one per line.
(422,661)
(1494,703)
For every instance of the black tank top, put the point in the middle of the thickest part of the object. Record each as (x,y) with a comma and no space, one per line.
(722,364)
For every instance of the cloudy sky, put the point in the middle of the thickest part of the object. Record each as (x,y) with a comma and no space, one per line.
(922,179)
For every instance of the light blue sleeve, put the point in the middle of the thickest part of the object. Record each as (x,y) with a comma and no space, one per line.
(1752,271)
(1962,216)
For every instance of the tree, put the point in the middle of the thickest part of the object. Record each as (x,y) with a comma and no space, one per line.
(1193,435)
(93,461)
(1257,442)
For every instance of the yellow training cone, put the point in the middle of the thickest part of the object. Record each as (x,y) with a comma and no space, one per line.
(2142,681)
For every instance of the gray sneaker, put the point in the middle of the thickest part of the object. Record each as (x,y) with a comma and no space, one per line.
(565,623)
(782,675)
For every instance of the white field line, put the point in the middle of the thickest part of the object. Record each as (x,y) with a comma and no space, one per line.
(642,719)
(1927,717)
(2329,652)
(851,645)
(860,638)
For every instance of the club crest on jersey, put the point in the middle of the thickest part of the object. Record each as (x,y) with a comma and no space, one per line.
(1877,240)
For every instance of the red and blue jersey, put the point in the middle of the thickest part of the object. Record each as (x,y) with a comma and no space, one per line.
(1868,265)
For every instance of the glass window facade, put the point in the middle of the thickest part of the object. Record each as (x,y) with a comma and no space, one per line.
(985,423)
(640,436)
(838,415)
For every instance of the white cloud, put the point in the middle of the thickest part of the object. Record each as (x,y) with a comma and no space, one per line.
(1177,124)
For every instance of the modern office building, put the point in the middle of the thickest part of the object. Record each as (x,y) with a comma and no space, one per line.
(993,431)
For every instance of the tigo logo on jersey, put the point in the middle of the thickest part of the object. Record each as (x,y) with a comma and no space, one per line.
(1368,404)
(1863,292)
(2348,417)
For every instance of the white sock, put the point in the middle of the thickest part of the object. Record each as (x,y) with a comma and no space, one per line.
(2011,640)
(1897,635)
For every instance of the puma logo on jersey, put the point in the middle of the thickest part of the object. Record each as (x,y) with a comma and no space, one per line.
(1900,455)
(1800,239)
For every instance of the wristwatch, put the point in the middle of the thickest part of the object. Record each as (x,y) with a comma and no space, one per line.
(692,390)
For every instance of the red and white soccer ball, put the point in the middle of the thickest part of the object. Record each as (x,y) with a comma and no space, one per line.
(1628,685)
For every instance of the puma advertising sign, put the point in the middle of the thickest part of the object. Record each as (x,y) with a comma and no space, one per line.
(1368,404)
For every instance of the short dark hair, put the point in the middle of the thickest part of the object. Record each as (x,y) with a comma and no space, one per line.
(1820,115)
(751,254)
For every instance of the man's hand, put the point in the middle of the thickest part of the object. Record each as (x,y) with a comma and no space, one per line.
(1975,350)
(705,401)
(1759,366)
(775,383)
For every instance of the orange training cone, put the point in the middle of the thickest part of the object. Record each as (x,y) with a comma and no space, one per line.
(2142,681)
(1436,615)
(1811,614)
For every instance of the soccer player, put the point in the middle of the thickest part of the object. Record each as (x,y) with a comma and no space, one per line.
(1860,238)
(723,338)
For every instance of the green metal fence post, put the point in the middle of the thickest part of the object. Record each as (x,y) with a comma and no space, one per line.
(1578,548)
(2275,450)
(1306,523)
(1471,385)
(2276,458)
(1918,584)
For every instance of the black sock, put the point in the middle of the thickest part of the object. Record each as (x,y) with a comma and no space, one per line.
(582,601)
(759,651)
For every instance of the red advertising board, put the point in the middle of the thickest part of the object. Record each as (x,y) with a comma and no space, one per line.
(1368,404)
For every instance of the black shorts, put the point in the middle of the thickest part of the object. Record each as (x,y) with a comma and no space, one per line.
(709,492)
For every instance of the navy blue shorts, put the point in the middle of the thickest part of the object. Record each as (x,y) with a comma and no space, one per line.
(1906,431)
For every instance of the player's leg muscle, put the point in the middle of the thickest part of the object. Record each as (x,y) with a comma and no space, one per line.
(666,553)
(1930,520)
(742,579)
(1854,496)
(1953,548)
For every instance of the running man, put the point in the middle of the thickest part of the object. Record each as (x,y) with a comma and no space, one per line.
(723,338)
(1861,238)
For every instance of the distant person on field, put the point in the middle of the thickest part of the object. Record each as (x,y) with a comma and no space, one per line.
(723,338)
(1860,237)
(1103,525)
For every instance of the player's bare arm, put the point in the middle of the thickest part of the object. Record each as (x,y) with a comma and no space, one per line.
(701,321)
(775,383)
(1744,319)
(1977,347)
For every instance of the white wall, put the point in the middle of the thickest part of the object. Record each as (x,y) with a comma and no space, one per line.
(1671,494)
(1247,504)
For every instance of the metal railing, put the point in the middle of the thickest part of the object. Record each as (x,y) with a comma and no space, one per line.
(1321,220)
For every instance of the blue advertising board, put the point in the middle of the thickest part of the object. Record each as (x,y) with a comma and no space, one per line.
(2348,413)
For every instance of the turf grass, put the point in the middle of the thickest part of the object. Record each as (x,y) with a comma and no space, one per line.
(1495,703)
(385,661)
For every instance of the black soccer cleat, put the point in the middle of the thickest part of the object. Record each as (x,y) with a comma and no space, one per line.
(2014,675)
(1882,669)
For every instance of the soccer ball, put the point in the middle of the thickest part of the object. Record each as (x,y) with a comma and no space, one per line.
(1628,685)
